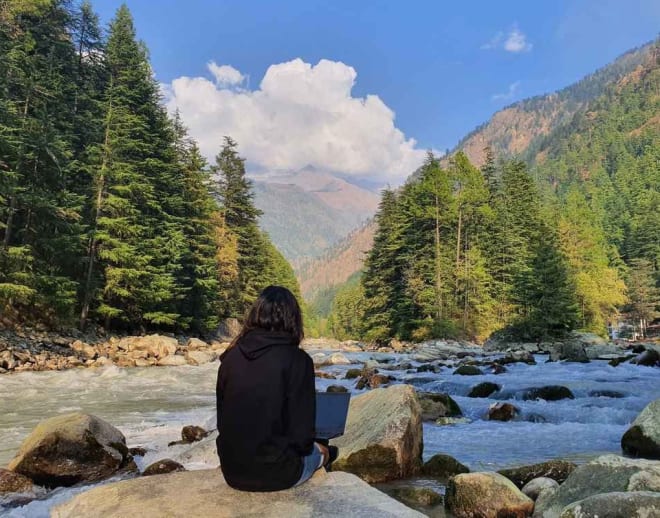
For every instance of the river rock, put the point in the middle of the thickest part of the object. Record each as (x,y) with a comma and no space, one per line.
(649,358)
(352,374)
(468,370)
(336,388)
(373,381)
(548,393)
(173,360)
(637,504)
(557,470)
(486,495)
(484,389)
(534,487)
(162,466)
(642,439)
(435,406)
(205,493)
(422,496)
(443,466)
(383,438)
(84,349)
(192,433)
(71,448)
(204,454)
(12,482)
(339,359)
(199,357)
(517,357)
(157,346)
(195,343)
(502,412)
(606,474)
(570,351)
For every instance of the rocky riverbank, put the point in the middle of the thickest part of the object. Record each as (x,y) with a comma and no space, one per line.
(42,351)
(383,442)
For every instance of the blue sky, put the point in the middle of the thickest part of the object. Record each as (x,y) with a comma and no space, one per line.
(441,67)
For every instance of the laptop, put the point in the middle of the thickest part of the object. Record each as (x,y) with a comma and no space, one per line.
(331,412)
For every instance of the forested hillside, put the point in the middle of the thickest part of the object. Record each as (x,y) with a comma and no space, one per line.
(565,240)
(108,211)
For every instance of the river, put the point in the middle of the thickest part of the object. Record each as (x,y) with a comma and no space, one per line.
(151,405)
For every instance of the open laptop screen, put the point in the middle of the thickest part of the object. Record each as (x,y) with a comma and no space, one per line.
(331,412)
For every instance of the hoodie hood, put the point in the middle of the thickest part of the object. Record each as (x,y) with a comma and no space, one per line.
(258,342)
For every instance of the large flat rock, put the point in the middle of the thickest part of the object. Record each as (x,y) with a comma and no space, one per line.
(205,493)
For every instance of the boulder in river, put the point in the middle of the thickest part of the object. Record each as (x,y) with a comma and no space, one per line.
(548,393)
(634,504)
(200,357)
(502,412)
(484,389)
(436,405)
(205,493)
(468,370)
(352,374)
(155,345)
(162,466)
(443,466)
(642,439)
(558,470)
(173,360)
(420,496)
(649,358)
(192,433)
(383,438)
(534,487)
(606,474)
(486,495)
(71,448)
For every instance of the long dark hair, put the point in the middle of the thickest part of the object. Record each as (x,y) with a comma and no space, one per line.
(276,309)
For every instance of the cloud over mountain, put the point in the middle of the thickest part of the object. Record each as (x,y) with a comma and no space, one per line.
(300,115)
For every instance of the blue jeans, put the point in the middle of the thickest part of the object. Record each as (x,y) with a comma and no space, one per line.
(311,463)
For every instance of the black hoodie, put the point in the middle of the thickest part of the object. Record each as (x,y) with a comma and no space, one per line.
(266,409)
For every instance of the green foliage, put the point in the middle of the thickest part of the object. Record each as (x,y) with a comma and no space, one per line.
(107,207)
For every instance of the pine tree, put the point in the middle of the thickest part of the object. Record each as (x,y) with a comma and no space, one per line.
(240,216)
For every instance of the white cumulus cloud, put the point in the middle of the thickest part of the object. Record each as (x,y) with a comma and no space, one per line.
(513,41)
(300,115)
(225,75)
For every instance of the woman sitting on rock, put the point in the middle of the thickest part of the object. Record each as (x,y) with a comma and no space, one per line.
(266,400)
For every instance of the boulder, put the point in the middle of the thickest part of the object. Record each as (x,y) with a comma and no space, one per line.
(534,487)
(84,349)
(196,343)
(606,474)
(204,454)
(443,466)
(484,389)
(173,360)
(517,357)
(557,470)
(636,504)
(325,375)
(200,357)
(502,412)
(468,370)
(572,350)
(339,359)
(549,393)
(205,493)
(486,495)
(642,439)
(157,346)
(435,406)
(373,381)
(138,451)
(649,358)
(71,448)
(352,374)
(162,466)
(383,438)
(12,482)
(192,433)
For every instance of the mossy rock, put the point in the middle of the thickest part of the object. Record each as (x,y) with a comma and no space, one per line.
(417,496)
(436,405)
(468,370)
(557,470)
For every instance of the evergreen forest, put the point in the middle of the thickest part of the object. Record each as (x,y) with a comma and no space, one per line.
(109,214)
